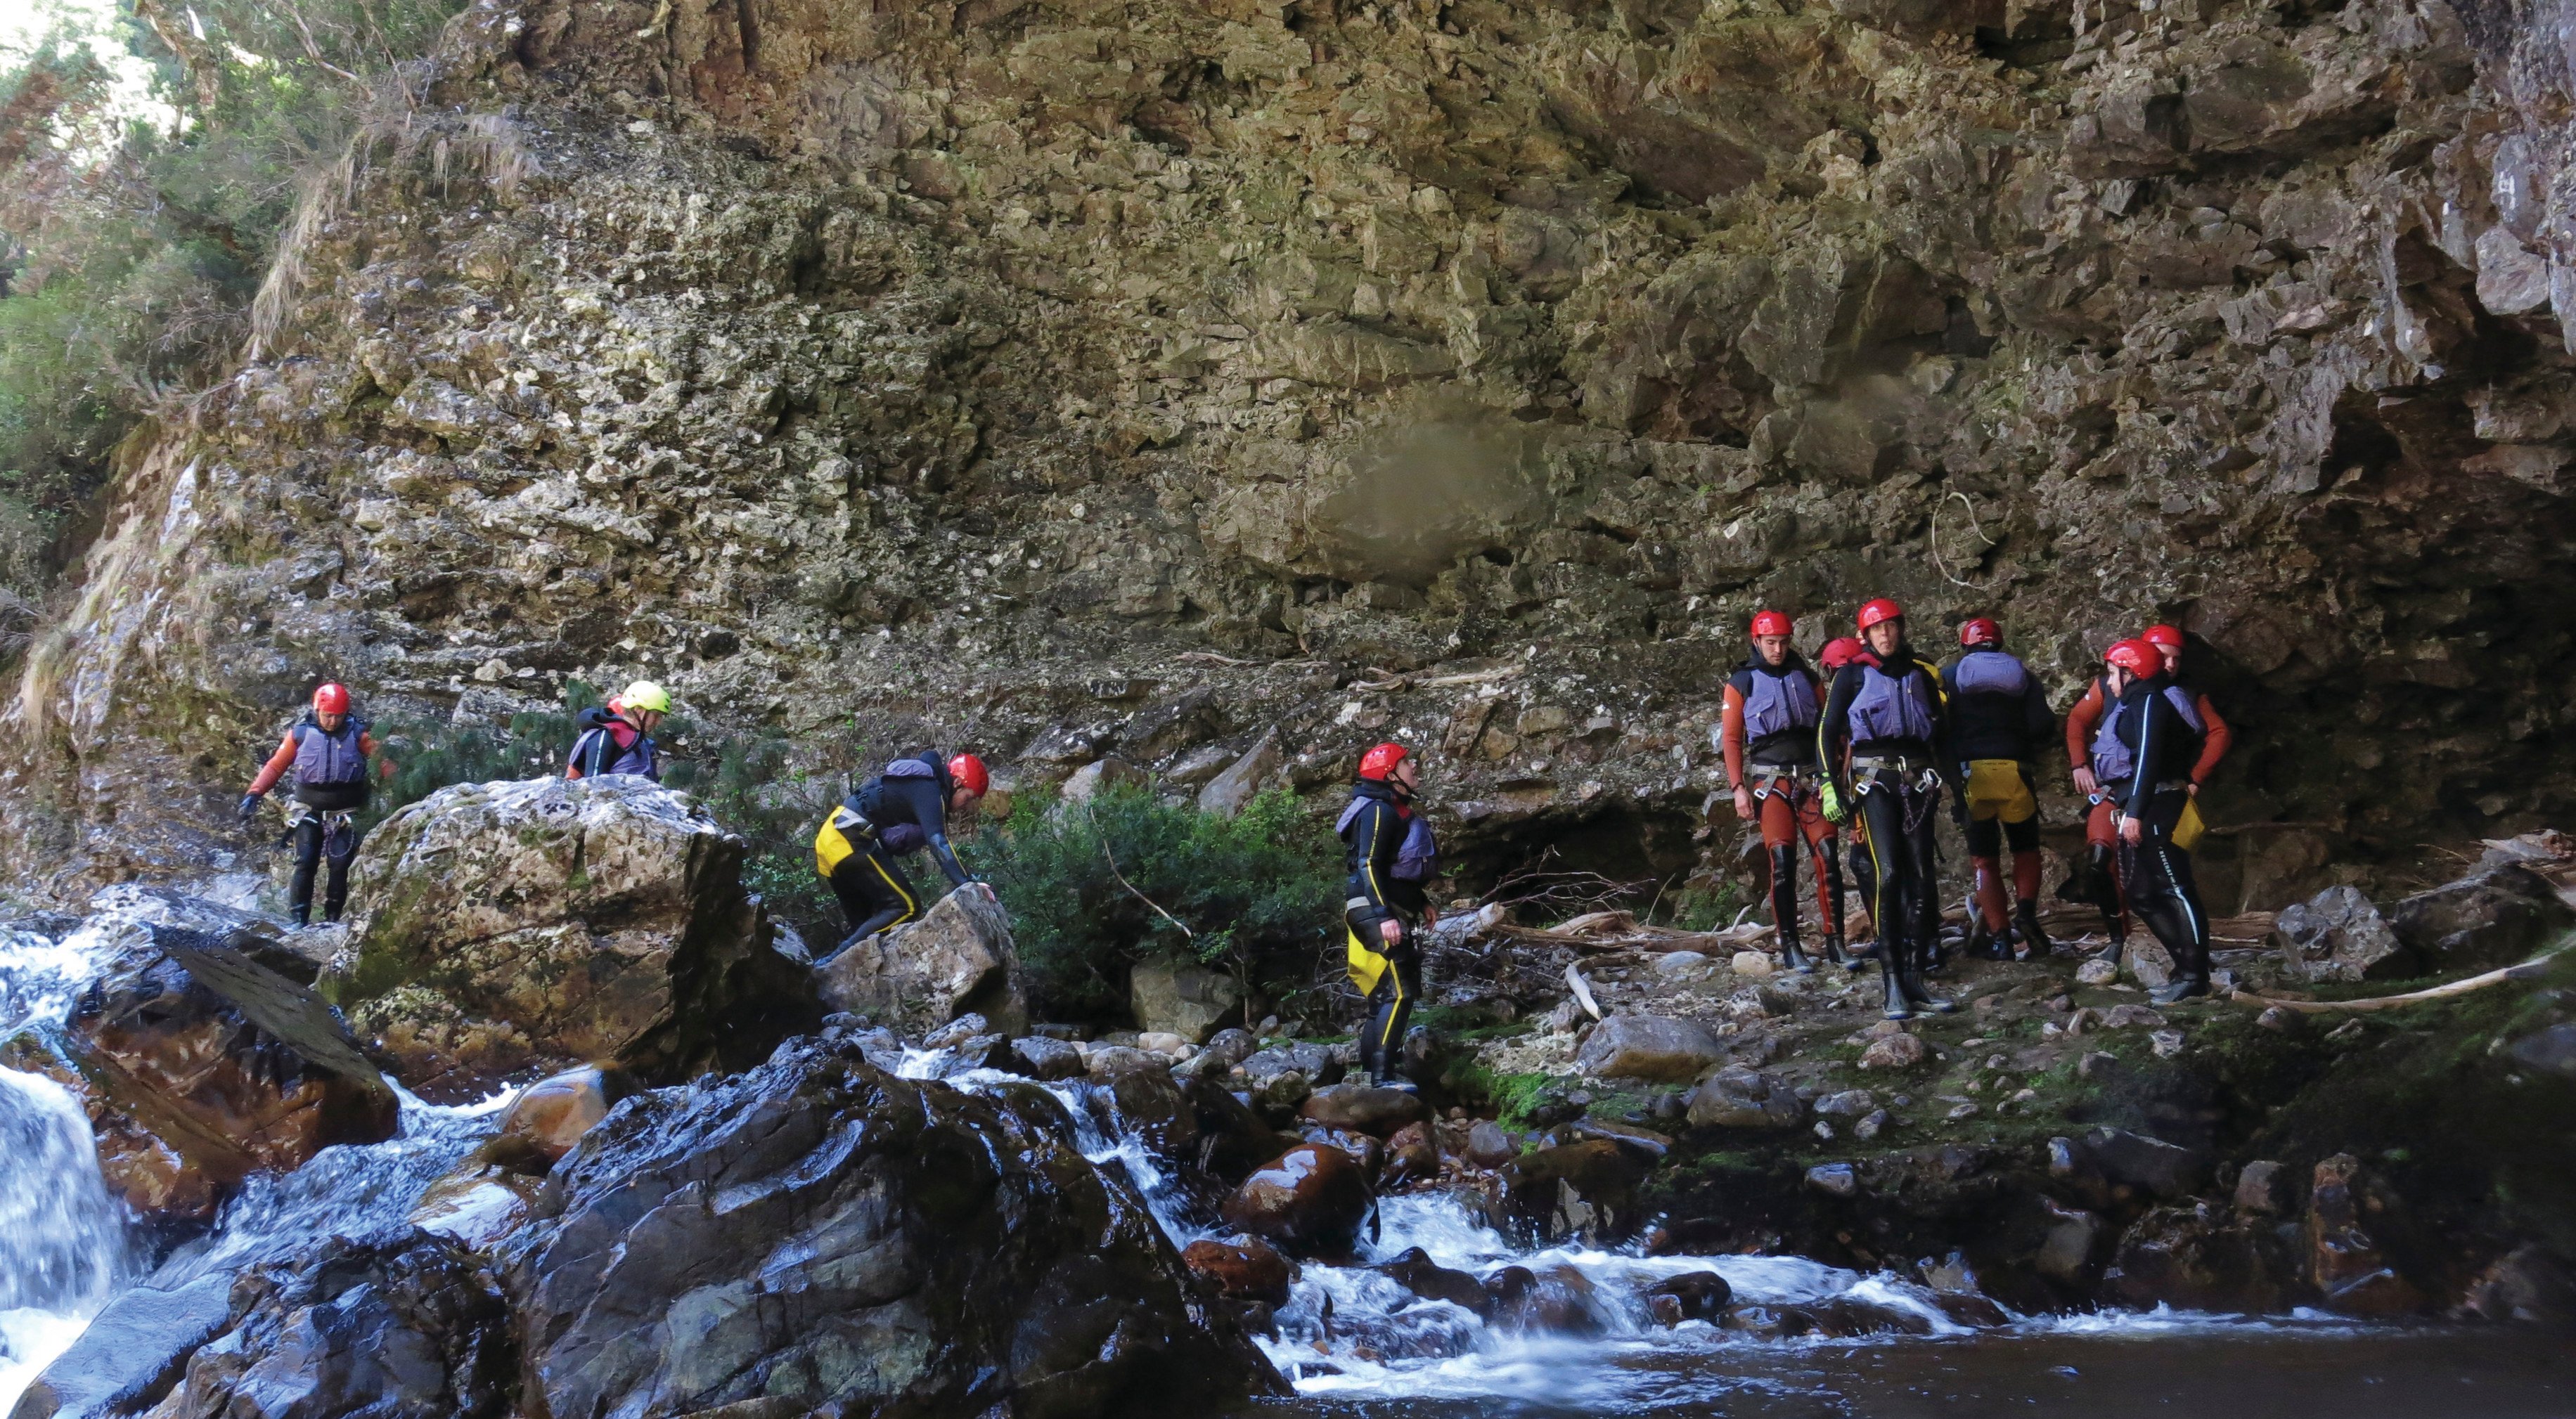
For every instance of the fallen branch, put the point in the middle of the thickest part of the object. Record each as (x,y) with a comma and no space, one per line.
(1582,992)
(2524,971)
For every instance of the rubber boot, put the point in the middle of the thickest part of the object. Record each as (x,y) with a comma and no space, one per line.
(1834,923)
(303,914)
(1897,1005)
(1921,996)
(1991,924)
(2180,988)
(2034,941)
(2106,890)
(1784,908)
(1983,944)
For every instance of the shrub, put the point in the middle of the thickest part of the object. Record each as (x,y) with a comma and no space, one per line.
(1257,892)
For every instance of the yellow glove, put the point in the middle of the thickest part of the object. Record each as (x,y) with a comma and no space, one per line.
(1833,803)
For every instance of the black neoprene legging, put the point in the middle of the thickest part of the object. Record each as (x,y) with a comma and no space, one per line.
(1390,1006)
(2161,887)
(1904,886)
(310,840)
(874,892)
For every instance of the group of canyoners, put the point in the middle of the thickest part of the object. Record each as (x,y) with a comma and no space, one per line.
(1868,747)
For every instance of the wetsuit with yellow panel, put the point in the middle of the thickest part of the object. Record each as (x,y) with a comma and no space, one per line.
(894,815)
(1391,857)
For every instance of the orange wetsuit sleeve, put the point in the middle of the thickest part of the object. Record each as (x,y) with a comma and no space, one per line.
(2080,724)
(1730,736)
(276,767)
(2215,737)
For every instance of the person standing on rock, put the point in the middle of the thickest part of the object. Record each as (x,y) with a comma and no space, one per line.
(1392,860)
(328,751)
(1999,718)
(1883,737)
(906,809)
(2151,736)
(1766,731)
(619,739)
(2098,882)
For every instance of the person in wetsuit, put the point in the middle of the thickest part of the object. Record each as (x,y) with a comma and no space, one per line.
(2097,882)
(1999,719)
(1883,737)
(1766,733)
(327,750)
(619,738)
(906,809)
(2151,737)
(1392,860)
(1837,653)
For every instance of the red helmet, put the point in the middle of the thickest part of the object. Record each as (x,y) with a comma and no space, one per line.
(1877,609)
(1841,651)
(1379,762)
(2135,656)
(331,699)
(1980,630)
(1771,623)
(967,772)
(2162,637)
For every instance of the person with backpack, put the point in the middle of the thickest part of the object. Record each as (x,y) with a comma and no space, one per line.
(1388,848)
(1766,733)
(327,750)
(619,738)
(1999,718)
(2151,736)
(1884,738)
(905,810)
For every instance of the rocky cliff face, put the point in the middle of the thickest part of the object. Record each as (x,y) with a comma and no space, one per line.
(1063,377)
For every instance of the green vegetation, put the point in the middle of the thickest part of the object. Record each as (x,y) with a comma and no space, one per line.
(1256,893)
(136,228)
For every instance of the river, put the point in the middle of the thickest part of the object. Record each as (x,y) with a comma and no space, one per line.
(1353,1342)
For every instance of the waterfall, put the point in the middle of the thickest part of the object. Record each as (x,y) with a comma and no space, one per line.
(62,1238)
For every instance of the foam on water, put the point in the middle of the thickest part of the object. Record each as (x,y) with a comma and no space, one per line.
(62,1238)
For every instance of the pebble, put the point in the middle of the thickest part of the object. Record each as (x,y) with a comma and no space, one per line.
(1679,963)
(1870,1127)
(1756,964)
(2096,972)
(1834,1179)
(1961,1111)
(2166,1043)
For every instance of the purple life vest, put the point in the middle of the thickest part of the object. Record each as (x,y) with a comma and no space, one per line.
(1779,703)
(1891,706)
(2113,761)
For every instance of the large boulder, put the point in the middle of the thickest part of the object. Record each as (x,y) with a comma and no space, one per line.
(1738,1097)
(957,960)
(817,1234)
(1364,1108)
(1586,1190)
(2338,935)
(1311,1198)
(509,930)
(1175,997)
(1650,1047)
(2488,919)
(198,1067)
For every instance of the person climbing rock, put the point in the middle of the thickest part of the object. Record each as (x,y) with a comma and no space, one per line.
(1766,732)
(619,738)
(1837,653)
(1886,714)
(328,751)
(1999,719)
(2097,881)
(2143,756)
(1392,859)
(906,809)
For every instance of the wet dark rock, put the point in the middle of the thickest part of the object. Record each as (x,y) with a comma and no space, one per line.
(508,930)
(1110,1061)
(1317,1064)
(1364,1108)
(2262,1188)
(1246,1268)
(2527,1285)
(1489,1145)
(818,1232)
(1963,1308)
(2067,1247)
(551,1115)
(2147,1164)
(399,1324)
(2338,935)
(1231,1046)
(2347,1263)
(1696,1295)
(1650,1047)
(1415,1271)
(1646,1142)
(1366,1149)
(133,1352)
(1411,1156)
(1737,1097)
(1586,1190)
(2494,918)
(1311,1198)
(199,1067)
(2553,1049)
(2199,1258)
(1232,1139)
(1039,1057)
(1554,1300)
(1148,1105)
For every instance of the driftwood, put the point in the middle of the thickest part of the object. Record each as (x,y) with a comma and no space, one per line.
(1582,991)
(2524,971)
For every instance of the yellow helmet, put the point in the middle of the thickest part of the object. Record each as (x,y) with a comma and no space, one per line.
(645,695)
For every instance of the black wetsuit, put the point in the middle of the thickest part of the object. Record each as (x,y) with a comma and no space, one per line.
(1374,830)
(2163,746)
(1892,720)
(900,812)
